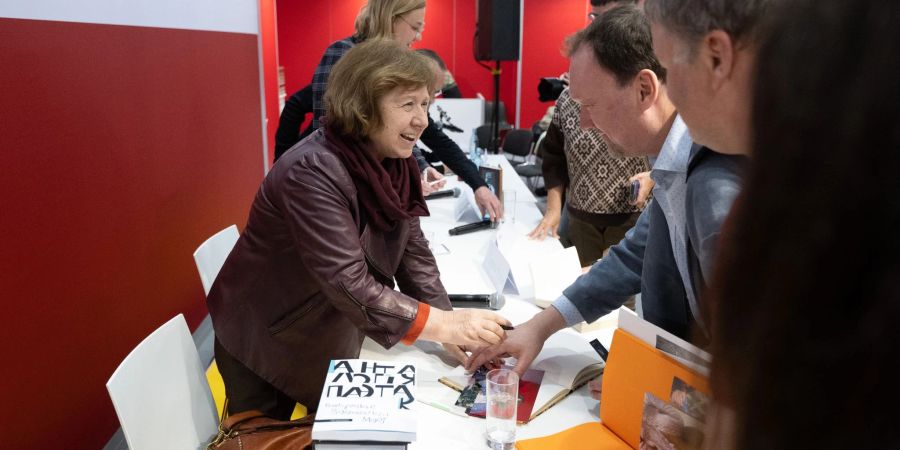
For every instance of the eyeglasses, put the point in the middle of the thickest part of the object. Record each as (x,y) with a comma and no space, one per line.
(418,29)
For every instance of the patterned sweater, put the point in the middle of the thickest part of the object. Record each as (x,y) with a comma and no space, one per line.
(579,160)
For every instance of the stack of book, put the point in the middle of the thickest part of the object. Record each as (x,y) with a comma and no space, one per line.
(365,404)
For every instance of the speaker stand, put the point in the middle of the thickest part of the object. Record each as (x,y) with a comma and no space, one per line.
(494,146)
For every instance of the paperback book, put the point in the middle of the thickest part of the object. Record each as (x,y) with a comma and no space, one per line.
(365,404)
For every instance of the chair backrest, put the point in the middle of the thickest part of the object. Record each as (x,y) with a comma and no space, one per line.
(211,254)
(160,392)
(538,151)
(489,114)
(483,136)
(518,142)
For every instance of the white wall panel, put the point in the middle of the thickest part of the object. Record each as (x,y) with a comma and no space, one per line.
(236,16)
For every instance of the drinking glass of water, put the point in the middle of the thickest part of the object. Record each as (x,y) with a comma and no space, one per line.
(502,402)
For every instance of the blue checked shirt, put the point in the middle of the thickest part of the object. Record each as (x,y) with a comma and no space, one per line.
(333,53)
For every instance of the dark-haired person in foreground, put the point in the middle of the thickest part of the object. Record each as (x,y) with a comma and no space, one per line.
(333,227)
(805,325)
(621,87)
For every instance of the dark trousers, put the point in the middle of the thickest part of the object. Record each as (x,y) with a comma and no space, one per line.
(245,390)
(591,241)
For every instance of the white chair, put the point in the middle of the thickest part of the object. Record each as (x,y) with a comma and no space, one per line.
(211,254)
(160,392)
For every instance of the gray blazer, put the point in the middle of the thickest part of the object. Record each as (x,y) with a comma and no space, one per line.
(644,261)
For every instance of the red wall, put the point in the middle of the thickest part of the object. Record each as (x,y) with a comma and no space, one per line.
(123,148)
(269,45)
(546,23)
(306,28)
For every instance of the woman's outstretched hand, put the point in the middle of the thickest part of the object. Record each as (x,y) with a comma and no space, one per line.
(466,327)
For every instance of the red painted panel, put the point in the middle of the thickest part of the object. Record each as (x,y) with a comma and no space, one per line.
(269,43)
(305,29)
(123,148)
(546,23)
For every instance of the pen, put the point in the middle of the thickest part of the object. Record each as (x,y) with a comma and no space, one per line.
(442,407)
(507,327)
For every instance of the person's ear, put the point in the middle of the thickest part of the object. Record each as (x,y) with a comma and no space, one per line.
(717,52)
(647,88)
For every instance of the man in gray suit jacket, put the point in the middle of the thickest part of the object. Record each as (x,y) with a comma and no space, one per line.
(621,87)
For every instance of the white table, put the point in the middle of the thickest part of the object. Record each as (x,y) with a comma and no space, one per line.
(439,429)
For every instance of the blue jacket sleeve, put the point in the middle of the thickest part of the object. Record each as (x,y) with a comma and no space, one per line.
(712,187)
(612,280)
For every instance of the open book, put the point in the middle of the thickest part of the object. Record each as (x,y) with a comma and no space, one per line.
(553,273)
(568,362)
(473,397)
(651,378)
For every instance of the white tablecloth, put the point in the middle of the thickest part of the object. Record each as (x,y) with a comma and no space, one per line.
(439,429)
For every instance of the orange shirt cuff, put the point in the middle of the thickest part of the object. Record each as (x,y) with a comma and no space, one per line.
(418,324)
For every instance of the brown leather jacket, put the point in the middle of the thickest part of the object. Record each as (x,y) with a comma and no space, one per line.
(307,280)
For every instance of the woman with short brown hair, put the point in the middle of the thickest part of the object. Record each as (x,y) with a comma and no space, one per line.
(334,223)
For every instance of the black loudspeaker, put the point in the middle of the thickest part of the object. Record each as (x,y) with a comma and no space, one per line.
(497,30)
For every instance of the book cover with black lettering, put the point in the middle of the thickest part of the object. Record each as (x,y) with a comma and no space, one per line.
(366,402)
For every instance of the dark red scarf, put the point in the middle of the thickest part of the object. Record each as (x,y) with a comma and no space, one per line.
(389,191)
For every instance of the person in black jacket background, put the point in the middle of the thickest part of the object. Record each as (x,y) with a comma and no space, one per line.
(292,116)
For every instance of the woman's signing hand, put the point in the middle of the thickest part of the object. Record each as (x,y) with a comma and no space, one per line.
(469,327)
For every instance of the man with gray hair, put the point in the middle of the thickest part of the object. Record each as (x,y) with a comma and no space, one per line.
(709,49)
(622,90)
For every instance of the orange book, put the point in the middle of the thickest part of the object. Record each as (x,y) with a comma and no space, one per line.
(660,394)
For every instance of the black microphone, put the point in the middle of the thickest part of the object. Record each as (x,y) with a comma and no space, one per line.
(450,127)
(445,193)
(468,228)
(491,301)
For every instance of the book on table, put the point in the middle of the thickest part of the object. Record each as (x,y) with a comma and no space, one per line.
(473,397)
(655,394)
(365,404)
(553,273)
(567,362)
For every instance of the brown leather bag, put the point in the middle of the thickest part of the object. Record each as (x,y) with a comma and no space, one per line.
(252,430)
